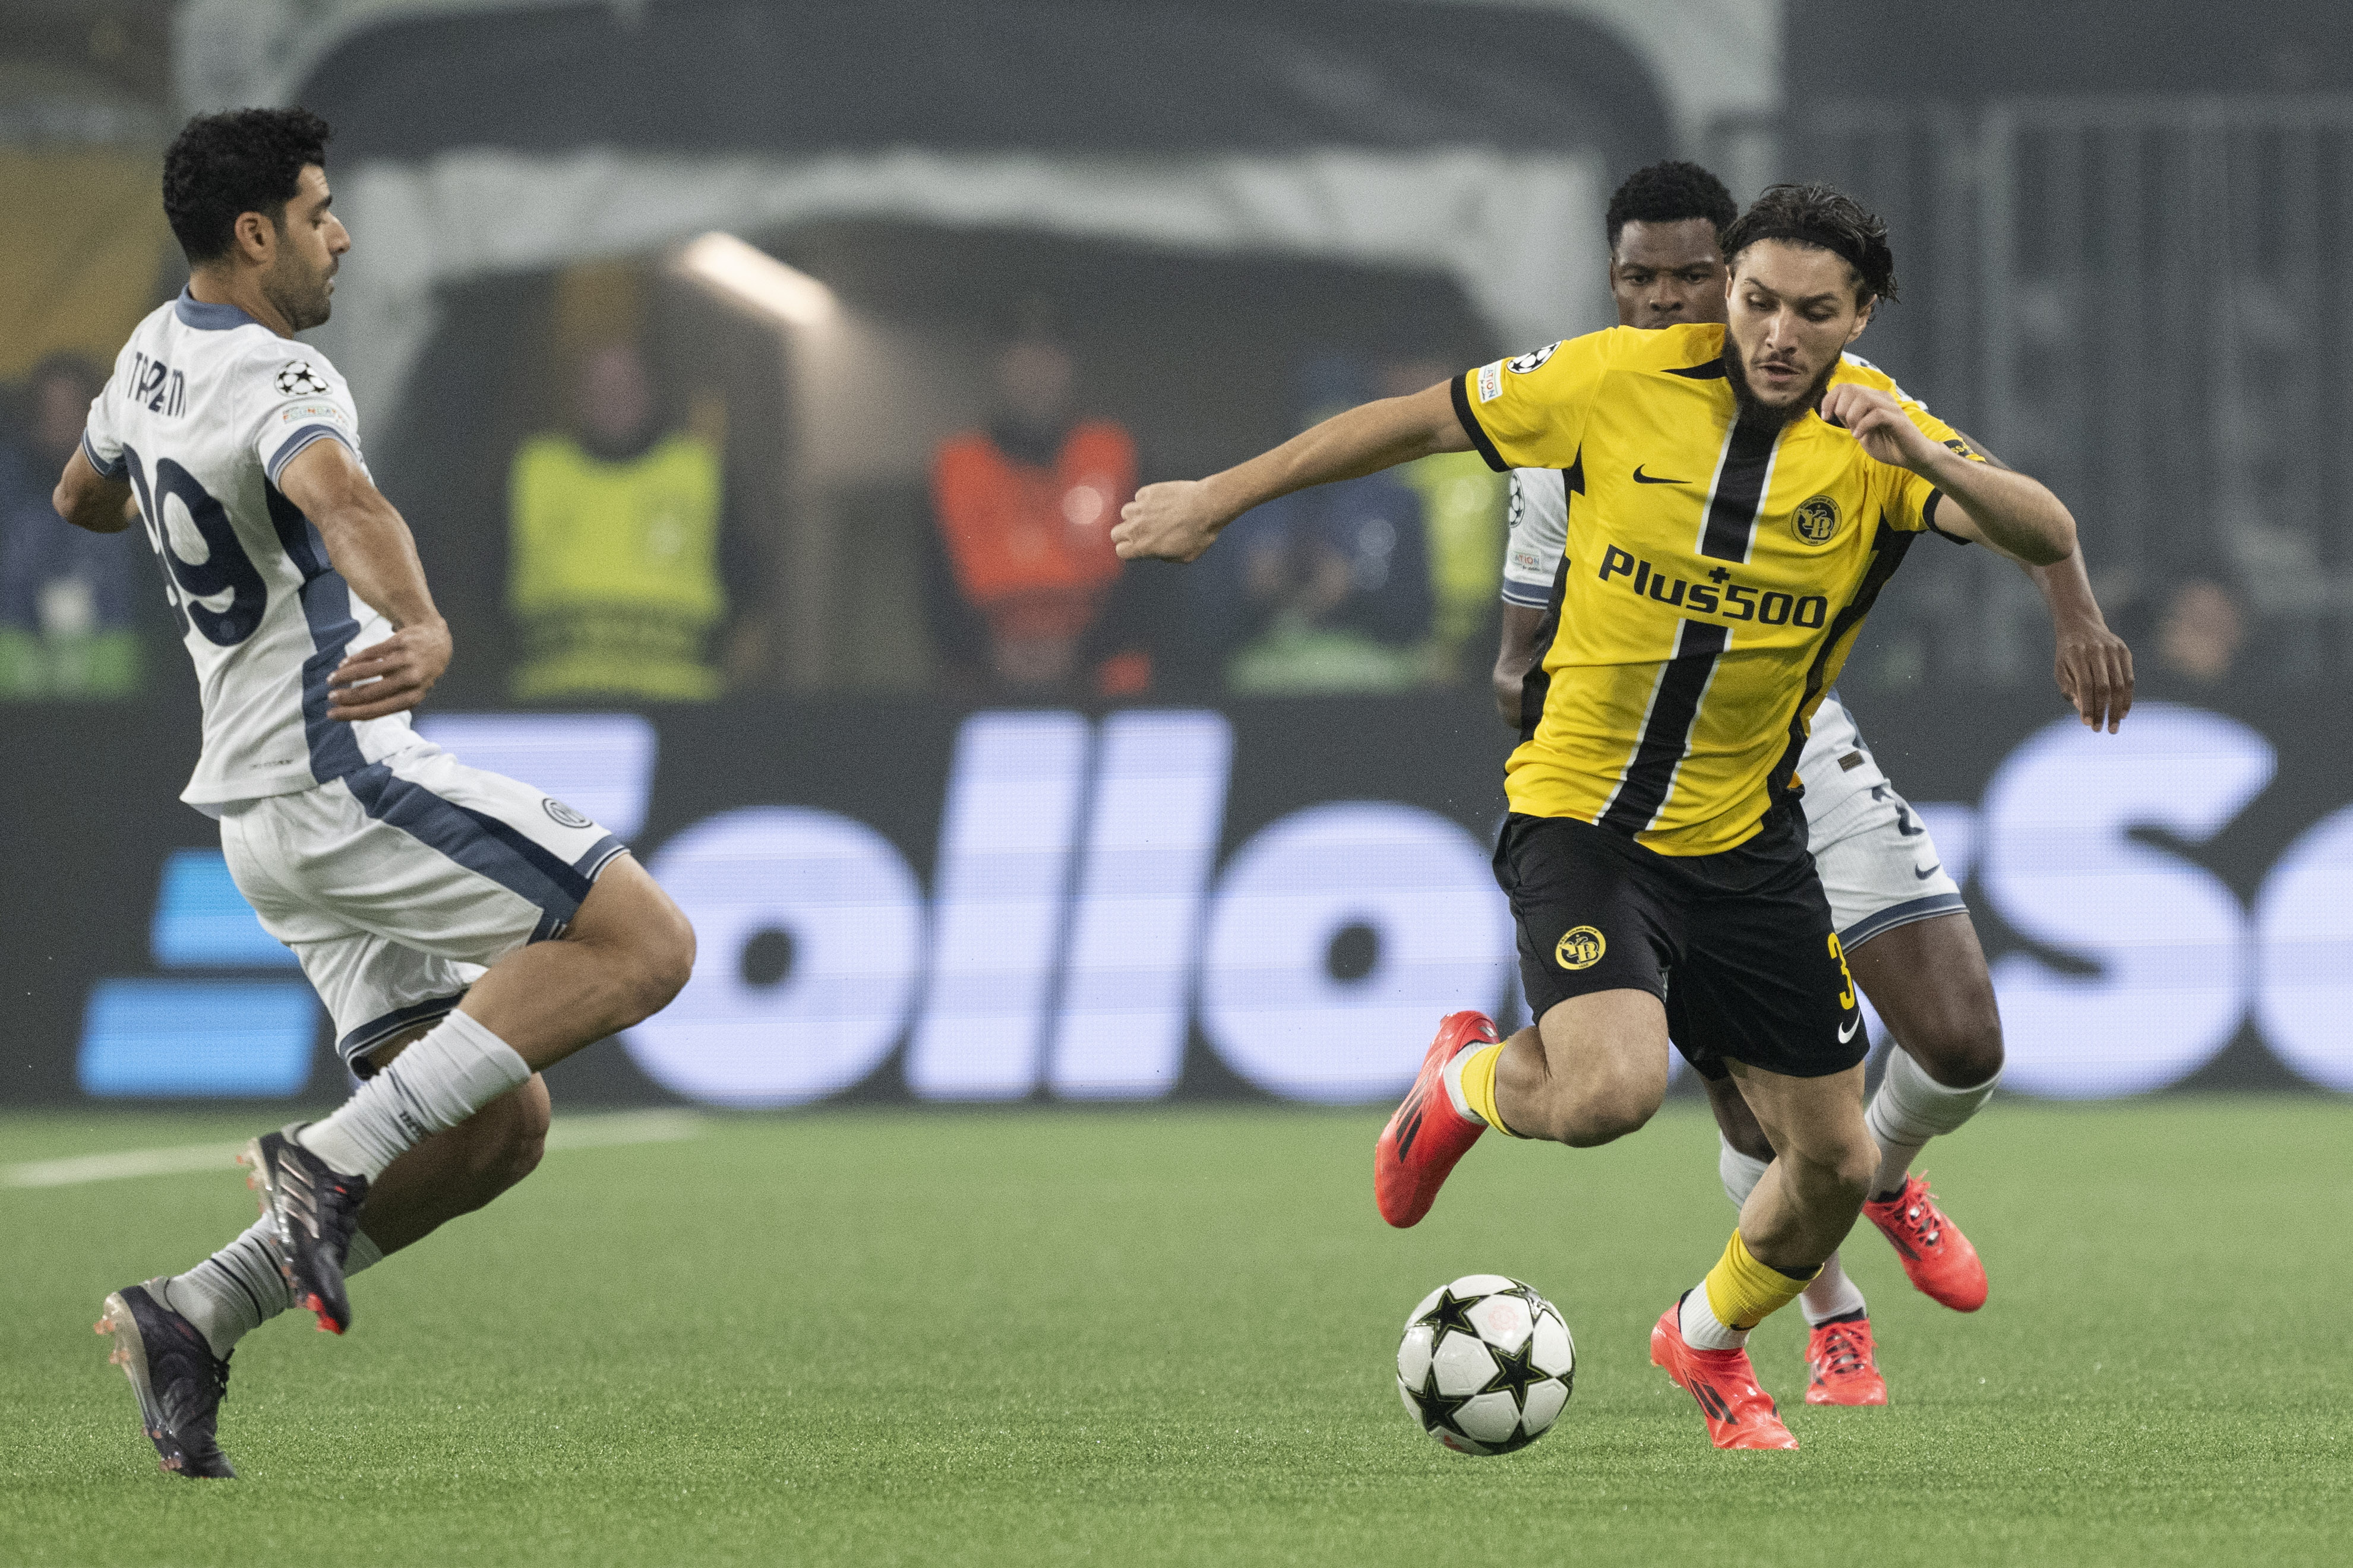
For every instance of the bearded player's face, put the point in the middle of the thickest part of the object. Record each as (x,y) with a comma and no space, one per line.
(1791,311)
(301,278)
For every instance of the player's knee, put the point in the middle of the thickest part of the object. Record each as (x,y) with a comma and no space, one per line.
(661,958)
(527,1141)
(511,1138)
(669,958)
(1588,1115)
(1854,1168)
(1834,1169)
(1963,1050)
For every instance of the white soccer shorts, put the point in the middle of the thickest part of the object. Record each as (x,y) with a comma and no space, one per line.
(398,885)
(1876,858)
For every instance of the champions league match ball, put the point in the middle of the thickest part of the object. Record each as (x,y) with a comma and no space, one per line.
(1486,1364)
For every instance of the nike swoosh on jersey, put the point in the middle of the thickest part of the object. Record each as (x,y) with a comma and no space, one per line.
(1642,479)
(1931,872)
(1847,1033)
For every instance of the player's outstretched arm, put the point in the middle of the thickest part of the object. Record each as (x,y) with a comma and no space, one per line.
(1999,508)
(87,498)
(1177,520)
(370,544)
(2094,667)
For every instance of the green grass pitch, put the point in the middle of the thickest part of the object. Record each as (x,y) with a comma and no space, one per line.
(1043,1337)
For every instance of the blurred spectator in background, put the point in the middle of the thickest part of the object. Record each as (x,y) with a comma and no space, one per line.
(1464,503)
(1328,590)
(1025,509)
(67,598)
(2201,628)
(621,571)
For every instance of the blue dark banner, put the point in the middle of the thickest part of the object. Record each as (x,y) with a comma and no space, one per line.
(1275,899)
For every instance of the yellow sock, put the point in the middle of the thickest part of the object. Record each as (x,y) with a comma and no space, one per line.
(1742,1293)
(1479,1086)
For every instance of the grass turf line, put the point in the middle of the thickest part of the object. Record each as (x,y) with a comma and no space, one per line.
(1065,1336)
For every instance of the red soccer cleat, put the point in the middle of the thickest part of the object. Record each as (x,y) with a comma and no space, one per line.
(1938,1258)
(1839,1355)
(1418,1147)
(1740,1414)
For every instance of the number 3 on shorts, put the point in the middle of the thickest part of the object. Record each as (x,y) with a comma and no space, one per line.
(1846,997)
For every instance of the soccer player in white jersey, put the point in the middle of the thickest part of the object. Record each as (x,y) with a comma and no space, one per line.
(464,929)
(1900,917)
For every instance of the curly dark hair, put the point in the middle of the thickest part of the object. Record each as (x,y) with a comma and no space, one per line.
(1671,193)
(1828,220)
(244,161)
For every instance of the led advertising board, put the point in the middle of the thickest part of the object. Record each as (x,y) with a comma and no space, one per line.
(1277,898)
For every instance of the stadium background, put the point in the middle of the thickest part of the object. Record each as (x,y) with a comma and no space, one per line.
(2124,256)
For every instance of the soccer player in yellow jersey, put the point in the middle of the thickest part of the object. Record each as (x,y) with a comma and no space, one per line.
(1900,918)
(1734,516)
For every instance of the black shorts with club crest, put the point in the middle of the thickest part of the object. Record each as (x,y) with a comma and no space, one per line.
(1743,935)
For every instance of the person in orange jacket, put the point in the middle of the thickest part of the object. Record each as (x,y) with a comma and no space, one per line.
(1025,509)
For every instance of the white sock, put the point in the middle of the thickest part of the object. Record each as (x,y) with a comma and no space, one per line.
(1912,1108)
(1740,1173)
(453,1071)
(1701,1331)
(1832,1295)
(238,1288)
(1451,1075)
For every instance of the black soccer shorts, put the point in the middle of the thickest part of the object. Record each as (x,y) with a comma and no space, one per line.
(1744,934)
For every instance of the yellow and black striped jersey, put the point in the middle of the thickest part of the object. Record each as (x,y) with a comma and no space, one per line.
(1715,578)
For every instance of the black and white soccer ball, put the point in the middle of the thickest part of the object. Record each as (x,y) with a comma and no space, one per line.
(1486,1364)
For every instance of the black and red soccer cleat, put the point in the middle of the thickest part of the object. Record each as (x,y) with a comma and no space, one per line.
(1739,1413)
(1427,1136)
(314,1211)
(179,1381)
(1842,1364)
(1936,1258)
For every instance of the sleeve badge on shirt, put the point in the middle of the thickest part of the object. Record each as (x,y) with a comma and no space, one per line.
(299,379)
(1534,358)
(1491,382)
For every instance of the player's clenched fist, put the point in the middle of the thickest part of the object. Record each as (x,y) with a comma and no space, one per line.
(1879,422)
(1173,520)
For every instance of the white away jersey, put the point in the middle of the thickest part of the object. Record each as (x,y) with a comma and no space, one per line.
(206,407)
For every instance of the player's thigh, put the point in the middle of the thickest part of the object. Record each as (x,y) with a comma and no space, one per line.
(1930,981)
(1591,919)
(1813,1122)
(1609,1049)
(628,910)
(1910,942)
(1764,982)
